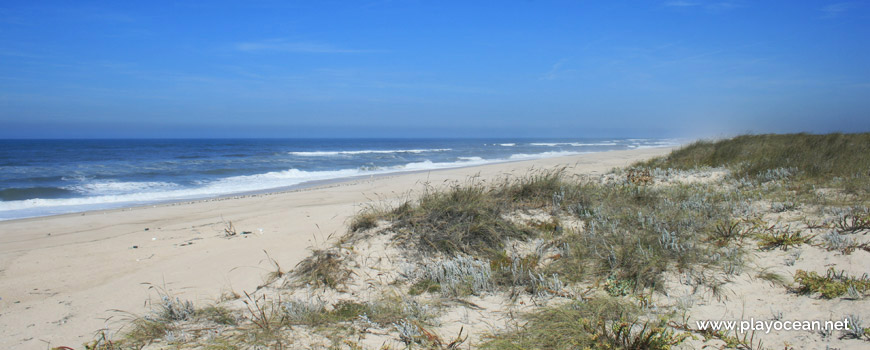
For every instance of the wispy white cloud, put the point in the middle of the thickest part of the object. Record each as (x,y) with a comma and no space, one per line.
(711,6)
(681,4)
(557,71)
(90,13)
(691,58)
(722,6)
(12,53)
(281,45)
(464,89)
(107,16)
(835,10)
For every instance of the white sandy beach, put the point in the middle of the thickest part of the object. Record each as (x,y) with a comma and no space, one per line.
(64,276)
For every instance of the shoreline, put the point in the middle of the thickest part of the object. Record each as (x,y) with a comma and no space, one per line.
(306,185)
(63,274)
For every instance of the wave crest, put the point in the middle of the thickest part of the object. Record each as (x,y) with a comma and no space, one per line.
(337,153)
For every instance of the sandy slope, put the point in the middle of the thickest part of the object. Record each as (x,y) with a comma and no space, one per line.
(61,276)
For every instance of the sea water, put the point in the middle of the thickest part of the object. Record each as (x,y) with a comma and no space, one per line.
(47,177)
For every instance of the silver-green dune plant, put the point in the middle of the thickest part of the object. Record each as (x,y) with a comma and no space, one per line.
(855,328)
(459,275)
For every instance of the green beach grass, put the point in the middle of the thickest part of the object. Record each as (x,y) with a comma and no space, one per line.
(603,252)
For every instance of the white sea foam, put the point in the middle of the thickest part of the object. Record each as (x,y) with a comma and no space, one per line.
(114,194)
(507,144)
(651,146)
(525,156)
(657,144)
(105,195)
(336,153)
(574,144)
(428,165)
(118,187)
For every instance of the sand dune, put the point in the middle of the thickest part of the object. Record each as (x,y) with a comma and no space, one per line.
(63,276)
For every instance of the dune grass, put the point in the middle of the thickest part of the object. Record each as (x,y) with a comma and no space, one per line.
(604,323)
(827,160)
(323,268)
(833,284)
(816,156)
(163,322)
(464,219)
(621,236)
(633,233)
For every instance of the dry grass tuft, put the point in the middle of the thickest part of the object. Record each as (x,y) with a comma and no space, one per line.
(595,324)
(323,268)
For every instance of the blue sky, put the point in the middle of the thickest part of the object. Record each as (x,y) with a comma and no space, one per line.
(432,68)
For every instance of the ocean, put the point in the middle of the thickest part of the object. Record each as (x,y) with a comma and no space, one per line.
(48,177)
